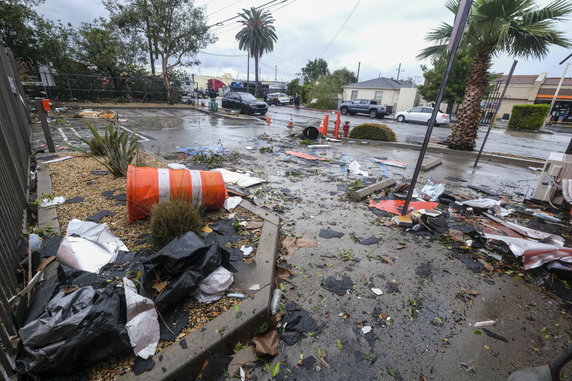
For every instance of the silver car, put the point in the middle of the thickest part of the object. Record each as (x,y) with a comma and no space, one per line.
(423,115)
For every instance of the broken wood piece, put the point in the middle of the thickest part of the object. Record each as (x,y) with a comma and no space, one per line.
(430,164)
(361,193)
(485,323)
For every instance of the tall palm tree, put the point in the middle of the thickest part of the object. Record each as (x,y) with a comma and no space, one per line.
(257,36)
(517,27)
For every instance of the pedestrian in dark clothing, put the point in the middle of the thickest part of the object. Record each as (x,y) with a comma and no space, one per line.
(297,100)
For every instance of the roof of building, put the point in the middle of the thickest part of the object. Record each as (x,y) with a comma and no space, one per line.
(553,81)
(521,79)
(381,83)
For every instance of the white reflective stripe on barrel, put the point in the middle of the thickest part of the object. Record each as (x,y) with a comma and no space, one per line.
(164,184)
(197,186)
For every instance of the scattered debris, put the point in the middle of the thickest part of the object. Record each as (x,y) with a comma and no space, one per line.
(327,234)
(390,163)
(213,287)
(266,345)
(290,244)
(396,206)
(485,323)
(364,192)
(243,180)
(366,329)
(51,201)
(338,286)
(354,168)
(303,155)
(377,291)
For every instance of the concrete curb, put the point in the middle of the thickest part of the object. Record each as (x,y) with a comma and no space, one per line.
(222,333)
(47,217)
(532,162)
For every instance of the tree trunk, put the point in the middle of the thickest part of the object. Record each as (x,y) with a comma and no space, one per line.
(464,133)
(152,61)
(449,108)
(256,76)
(167,82)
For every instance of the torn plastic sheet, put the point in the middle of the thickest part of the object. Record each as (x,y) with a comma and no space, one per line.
(243,180)
(204,150)
(142,321)
(354,168)
(398,164)
(534,254)
(213,287)
(396,206)
(51,202)
(531,233)
(431,191)
(482,203)
(88,246)
(75,330)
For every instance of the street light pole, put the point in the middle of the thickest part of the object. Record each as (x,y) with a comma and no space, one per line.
(496,111)
(460,22)
(556,92)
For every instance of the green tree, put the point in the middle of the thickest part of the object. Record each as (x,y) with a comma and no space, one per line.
(172,31)
(257,36)
(517,27)
(457,78)
(314,70)
(104,49)
(328,88)
(32,39)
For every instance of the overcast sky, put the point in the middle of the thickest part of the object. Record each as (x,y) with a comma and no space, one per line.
(379,34)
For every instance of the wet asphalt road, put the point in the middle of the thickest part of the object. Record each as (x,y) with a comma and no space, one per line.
(431,332)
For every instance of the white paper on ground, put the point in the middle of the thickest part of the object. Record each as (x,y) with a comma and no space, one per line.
(89,246)
(54,201)
(142,321)
(246,250)
(241,179)
(366,329)
(354,168)
(213,287)
(232,202)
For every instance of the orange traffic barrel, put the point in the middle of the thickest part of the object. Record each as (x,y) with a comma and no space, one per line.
(149,186)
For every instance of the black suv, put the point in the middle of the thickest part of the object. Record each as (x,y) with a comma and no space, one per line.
(246,103)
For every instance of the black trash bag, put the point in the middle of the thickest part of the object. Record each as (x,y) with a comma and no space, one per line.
(185,261)
(76,330)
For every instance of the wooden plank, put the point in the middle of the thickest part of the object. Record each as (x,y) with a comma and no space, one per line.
(361,193)
(430,164)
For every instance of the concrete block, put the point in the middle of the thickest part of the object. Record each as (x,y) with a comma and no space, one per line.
(430,164)
(360,194)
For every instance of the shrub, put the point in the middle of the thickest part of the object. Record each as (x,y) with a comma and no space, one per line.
(528,117)
(117,147)
(172,218)
(373,131)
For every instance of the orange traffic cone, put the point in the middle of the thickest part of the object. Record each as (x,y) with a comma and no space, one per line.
(268,120)
(321,129)
(326,122)
(290,123)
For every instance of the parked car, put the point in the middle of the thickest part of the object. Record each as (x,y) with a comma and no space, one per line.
(423,115)
(278,99)
(363,106)
(246,103)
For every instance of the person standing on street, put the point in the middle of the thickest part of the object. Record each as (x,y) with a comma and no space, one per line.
(297,100)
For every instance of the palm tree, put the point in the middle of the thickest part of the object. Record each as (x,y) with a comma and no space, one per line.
(257,36)
(517,27)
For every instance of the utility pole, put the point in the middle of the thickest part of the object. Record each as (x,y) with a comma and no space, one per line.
(358,66)
(496,111)
(557,91)
(399,71)
(248,72)
(275,72)
(455,40)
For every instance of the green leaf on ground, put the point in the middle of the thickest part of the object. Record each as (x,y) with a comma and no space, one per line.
(339,344)
(276,369)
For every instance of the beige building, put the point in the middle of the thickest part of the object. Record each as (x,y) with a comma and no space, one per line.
(386,91)
(530,89)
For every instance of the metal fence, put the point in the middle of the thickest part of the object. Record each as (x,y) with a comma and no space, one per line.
(93,87)
(14,174)
(490,104)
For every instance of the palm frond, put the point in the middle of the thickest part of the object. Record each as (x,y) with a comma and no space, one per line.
(434,51)
(555,11)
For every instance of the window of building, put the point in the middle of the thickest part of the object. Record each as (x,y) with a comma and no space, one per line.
(377,97)
(354,95)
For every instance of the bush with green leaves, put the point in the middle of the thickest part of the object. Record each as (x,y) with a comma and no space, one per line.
(528,117)
(173,218)
(117,148)
(373,131)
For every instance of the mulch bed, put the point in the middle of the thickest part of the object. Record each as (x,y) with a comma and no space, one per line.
(84,177)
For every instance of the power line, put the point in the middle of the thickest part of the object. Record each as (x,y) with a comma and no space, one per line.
(223,8)
(240,14)
(341,27)
(223,55)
